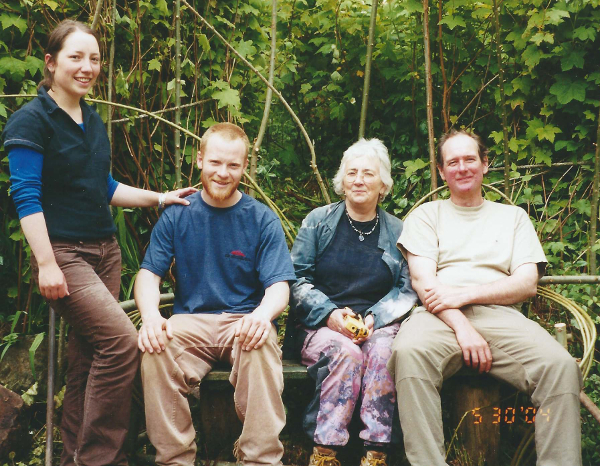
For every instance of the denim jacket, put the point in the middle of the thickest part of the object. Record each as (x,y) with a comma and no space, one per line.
(311,307)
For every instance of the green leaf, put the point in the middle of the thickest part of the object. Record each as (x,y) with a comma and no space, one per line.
(335,76)
(572,59)
(542,36)
(227,97)
(30,394)
(542,156)
(532,56)
(34,64)
(557,246)
(304,88)
(556,16)
(589,115)
(567,90)
(413,166)
(583,206)
(162,6)
(452,21)
(154,64)
(203,42)
(16,21)
(17,235)
(584,33)
(13,67)
(548,132)
(51,4)
(413,6)
(15,320)
(32,349)
(245,48)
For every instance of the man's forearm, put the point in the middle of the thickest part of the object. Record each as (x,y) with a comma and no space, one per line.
(147,293)
(513,289)
(453,318)
(275,300)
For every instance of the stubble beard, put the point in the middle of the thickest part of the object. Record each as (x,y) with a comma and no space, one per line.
(219,196)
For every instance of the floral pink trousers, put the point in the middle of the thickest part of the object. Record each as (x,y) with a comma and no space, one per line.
(347,374)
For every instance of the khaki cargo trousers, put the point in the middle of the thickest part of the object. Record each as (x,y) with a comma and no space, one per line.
(201,340)
(425,353)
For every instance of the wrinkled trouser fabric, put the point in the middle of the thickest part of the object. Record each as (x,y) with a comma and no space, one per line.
(344,372)
(199,341)
(425,353)
(102,353)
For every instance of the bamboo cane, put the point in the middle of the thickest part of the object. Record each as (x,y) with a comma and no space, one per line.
(177,134)
(268,97)
(429,95)
(367,83)
(502,100)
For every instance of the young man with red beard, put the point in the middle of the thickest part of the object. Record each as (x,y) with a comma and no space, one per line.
(232,272)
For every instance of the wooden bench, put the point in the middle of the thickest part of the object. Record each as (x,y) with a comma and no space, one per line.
(471,399)
(465,393)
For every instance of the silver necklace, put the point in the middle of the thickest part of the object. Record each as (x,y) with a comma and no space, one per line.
(361,234)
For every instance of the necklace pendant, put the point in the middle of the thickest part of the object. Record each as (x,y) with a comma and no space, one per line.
(361,238)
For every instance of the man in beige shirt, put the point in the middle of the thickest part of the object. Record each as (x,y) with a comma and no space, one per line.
(472,262)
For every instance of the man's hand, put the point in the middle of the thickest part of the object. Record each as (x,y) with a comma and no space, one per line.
(476,351)
(335,321)
(440,297)
(253,329)
(369,322)
(150,337)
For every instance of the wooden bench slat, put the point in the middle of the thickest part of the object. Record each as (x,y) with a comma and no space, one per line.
(292,370)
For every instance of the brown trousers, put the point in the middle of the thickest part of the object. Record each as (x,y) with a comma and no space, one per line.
(200,340)
(102,354)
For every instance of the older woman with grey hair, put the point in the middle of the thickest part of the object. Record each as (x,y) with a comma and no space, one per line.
(347,265)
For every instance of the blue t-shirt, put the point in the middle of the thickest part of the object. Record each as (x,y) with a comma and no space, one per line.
(224,258)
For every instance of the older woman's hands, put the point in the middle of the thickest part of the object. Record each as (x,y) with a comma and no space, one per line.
(336,323)
(369,322)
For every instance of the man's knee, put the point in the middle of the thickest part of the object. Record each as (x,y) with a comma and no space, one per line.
(563,374)
(410,357)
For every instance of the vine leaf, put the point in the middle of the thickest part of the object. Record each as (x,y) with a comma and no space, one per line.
(154,64)
(413,166)
(571,58)
(452,21)
(8,21)
(227,97)
(567,90)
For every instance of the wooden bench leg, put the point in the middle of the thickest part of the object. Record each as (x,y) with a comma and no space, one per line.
(472,398)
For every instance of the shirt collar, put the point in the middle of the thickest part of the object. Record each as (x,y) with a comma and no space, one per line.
(51,106)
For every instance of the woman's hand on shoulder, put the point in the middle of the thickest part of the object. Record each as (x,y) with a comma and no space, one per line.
(336,323)
(52,282)
(177,196)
